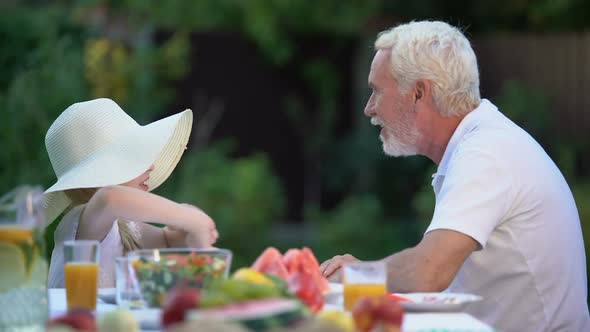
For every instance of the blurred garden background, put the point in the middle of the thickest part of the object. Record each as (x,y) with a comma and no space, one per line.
(281,153)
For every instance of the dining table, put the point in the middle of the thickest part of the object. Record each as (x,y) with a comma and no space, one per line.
(412,322)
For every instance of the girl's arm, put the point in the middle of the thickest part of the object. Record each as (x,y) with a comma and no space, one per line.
(153,237)
(114,202)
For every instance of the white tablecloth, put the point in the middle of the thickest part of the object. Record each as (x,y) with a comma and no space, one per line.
(413,322)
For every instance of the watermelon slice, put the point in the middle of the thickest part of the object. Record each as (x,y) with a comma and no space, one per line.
(300,269)
(258,315)
(313,267)
(271,262)
(292,259)
(304,287)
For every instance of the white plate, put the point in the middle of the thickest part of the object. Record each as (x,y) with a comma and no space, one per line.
(108,295)
(438,301)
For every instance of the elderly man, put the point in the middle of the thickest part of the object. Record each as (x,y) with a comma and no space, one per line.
(505,224)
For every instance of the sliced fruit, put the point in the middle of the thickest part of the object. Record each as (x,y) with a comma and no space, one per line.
(372,311)
(271,262)
(14,234)
(398,298)
(38,273)
(241,290)
(27,239)
(257,315)
(303,286)
(292,259)
(337,318)
(178,302)
(312,266)
(253,276)
(78,319)
(118,321)
(13,260)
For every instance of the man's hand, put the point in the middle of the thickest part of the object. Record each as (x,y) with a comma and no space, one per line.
(331,268)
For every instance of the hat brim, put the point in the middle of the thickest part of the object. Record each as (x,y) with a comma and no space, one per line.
(160,143)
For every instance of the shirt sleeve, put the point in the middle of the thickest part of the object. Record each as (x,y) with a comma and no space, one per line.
(475,195)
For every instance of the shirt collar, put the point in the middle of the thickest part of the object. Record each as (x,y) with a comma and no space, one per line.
(469,122)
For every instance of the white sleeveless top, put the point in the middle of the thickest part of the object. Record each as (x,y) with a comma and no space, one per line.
(109,248)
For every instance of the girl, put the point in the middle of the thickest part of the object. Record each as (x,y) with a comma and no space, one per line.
(106,165)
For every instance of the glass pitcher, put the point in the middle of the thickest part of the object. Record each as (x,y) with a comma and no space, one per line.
(23,266)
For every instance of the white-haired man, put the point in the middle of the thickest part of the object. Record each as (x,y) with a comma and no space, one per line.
(505,224)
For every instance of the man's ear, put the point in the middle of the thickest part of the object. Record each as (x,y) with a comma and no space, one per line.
(421,90)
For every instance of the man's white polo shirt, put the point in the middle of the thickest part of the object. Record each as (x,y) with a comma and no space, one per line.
(496,184)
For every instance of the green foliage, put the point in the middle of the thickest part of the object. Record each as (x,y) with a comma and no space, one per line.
(527,107)
(242,195)
(317,126)
(498,15)
(270,24)
(39,81)
(558,14)
(358,226)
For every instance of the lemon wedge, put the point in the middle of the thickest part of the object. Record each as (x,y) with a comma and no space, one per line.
(253,276)
(38,273)
(13,260)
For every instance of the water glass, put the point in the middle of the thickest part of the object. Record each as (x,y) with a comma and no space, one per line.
(128,294)
(81,273)
(23,267)
(361,279)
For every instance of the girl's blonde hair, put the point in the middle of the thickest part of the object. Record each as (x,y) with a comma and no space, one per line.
(83,195)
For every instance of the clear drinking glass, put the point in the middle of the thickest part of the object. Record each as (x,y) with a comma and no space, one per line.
(361,279)
(23,266)
(128,294)
(81,273)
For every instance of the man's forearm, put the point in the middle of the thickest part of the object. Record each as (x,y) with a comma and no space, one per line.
(432,265)
(407,271)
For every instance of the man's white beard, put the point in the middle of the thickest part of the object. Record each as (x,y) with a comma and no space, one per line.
(396,146)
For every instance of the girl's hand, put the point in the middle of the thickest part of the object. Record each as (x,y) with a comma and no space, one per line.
(204,234)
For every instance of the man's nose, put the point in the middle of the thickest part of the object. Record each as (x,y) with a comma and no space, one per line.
(369,109)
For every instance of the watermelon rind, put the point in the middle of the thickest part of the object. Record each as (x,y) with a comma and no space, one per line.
(258,315)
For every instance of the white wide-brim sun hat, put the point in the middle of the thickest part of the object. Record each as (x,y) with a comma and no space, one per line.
(95,144)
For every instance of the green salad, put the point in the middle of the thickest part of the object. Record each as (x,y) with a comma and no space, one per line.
(156,278)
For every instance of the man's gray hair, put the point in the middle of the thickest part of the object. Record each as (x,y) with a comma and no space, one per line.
(437,52)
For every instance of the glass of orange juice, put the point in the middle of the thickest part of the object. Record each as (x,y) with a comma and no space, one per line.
(81,273)
(362,279)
